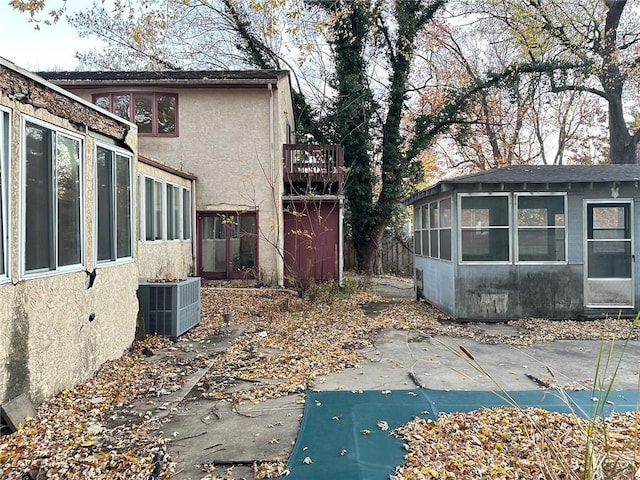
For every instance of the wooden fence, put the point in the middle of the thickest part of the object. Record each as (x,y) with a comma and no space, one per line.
(395,257)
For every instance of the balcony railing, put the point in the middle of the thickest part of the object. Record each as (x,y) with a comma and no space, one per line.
(313,169)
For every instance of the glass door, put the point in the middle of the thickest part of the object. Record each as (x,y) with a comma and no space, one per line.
(609,262)
(228,245)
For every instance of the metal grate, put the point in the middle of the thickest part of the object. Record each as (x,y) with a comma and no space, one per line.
(170,308)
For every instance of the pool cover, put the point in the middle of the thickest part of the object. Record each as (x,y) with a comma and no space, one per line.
(344,435)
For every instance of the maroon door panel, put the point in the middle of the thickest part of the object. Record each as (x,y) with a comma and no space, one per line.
(311,241)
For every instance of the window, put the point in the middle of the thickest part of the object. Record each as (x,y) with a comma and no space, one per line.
(186,214)
(541,228)
(445,229)
(52,187)
(417,227)
(173,212)
(153,209)
(165,211)
(433,229)
(113,205)
(484,228)
(4,192)
(155,114)
(424,219)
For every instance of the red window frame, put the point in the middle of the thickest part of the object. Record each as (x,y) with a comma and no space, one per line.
(154,109)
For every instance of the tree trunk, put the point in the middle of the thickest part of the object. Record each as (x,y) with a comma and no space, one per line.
(622,144)
(367,260)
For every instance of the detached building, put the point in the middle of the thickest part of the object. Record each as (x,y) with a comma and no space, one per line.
(530,241)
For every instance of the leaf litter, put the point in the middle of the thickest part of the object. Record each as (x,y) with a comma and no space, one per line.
(92,431)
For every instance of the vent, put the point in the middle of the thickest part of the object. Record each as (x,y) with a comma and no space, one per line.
(170,308)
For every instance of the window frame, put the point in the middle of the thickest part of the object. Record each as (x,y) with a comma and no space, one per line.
(428,226)
(165,212)
(417,230)
(156,214)
(508,227)
(517,228)
(155,95)
(173,211)
(5,195)
(187,215)
(115,259)
(54,228)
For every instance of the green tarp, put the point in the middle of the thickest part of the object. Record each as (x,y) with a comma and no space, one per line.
(343,436)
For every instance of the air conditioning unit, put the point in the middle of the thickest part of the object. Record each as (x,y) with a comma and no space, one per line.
(170,308)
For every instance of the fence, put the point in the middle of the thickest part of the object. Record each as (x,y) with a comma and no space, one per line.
(395,257)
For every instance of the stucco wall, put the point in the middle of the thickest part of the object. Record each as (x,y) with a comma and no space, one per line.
(231,139)
(56,331)
(165,259)
(506,292)
(225,141)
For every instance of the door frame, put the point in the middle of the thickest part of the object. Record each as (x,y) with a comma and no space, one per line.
(229,273)
(621,289)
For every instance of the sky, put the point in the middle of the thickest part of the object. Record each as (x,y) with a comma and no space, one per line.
(50,48)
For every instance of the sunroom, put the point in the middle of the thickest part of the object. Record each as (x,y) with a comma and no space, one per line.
(529,241)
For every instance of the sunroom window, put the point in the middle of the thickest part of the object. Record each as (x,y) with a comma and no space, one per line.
(541,228)
(484,228)
(53,186)
(114,207)
(417,231)
(165,210)
(4,187)
(153,209)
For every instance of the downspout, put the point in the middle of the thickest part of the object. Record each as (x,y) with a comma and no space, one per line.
(275,187)
(194,240)
(341,243)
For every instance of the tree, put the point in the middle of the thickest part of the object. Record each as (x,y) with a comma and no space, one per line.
(366,120)
(519,122)
(585,46)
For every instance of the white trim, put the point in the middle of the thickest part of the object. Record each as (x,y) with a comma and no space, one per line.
(516,229)
(5,190)
(509,227)
(129,156)
(164,227)
(622,201)
(57,269)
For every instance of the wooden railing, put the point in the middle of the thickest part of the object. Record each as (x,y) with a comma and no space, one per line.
(309,166)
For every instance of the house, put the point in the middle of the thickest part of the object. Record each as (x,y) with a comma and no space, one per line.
(266,209)
(68,272)
(530,241)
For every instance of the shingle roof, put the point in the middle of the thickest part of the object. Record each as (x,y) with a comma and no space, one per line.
(540,174)
(167,76)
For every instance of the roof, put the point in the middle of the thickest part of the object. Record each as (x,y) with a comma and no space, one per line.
(538,174)
(164,167)
(8,64)
(173,77)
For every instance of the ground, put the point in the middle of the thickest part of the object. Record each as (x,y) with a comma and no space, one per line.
(225,400)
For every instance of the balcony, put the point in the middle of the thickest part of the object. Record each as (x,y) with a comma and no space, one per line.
(313,169)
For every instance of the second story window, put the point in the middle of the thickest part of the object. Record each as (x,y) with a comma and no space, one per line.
(155,114)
